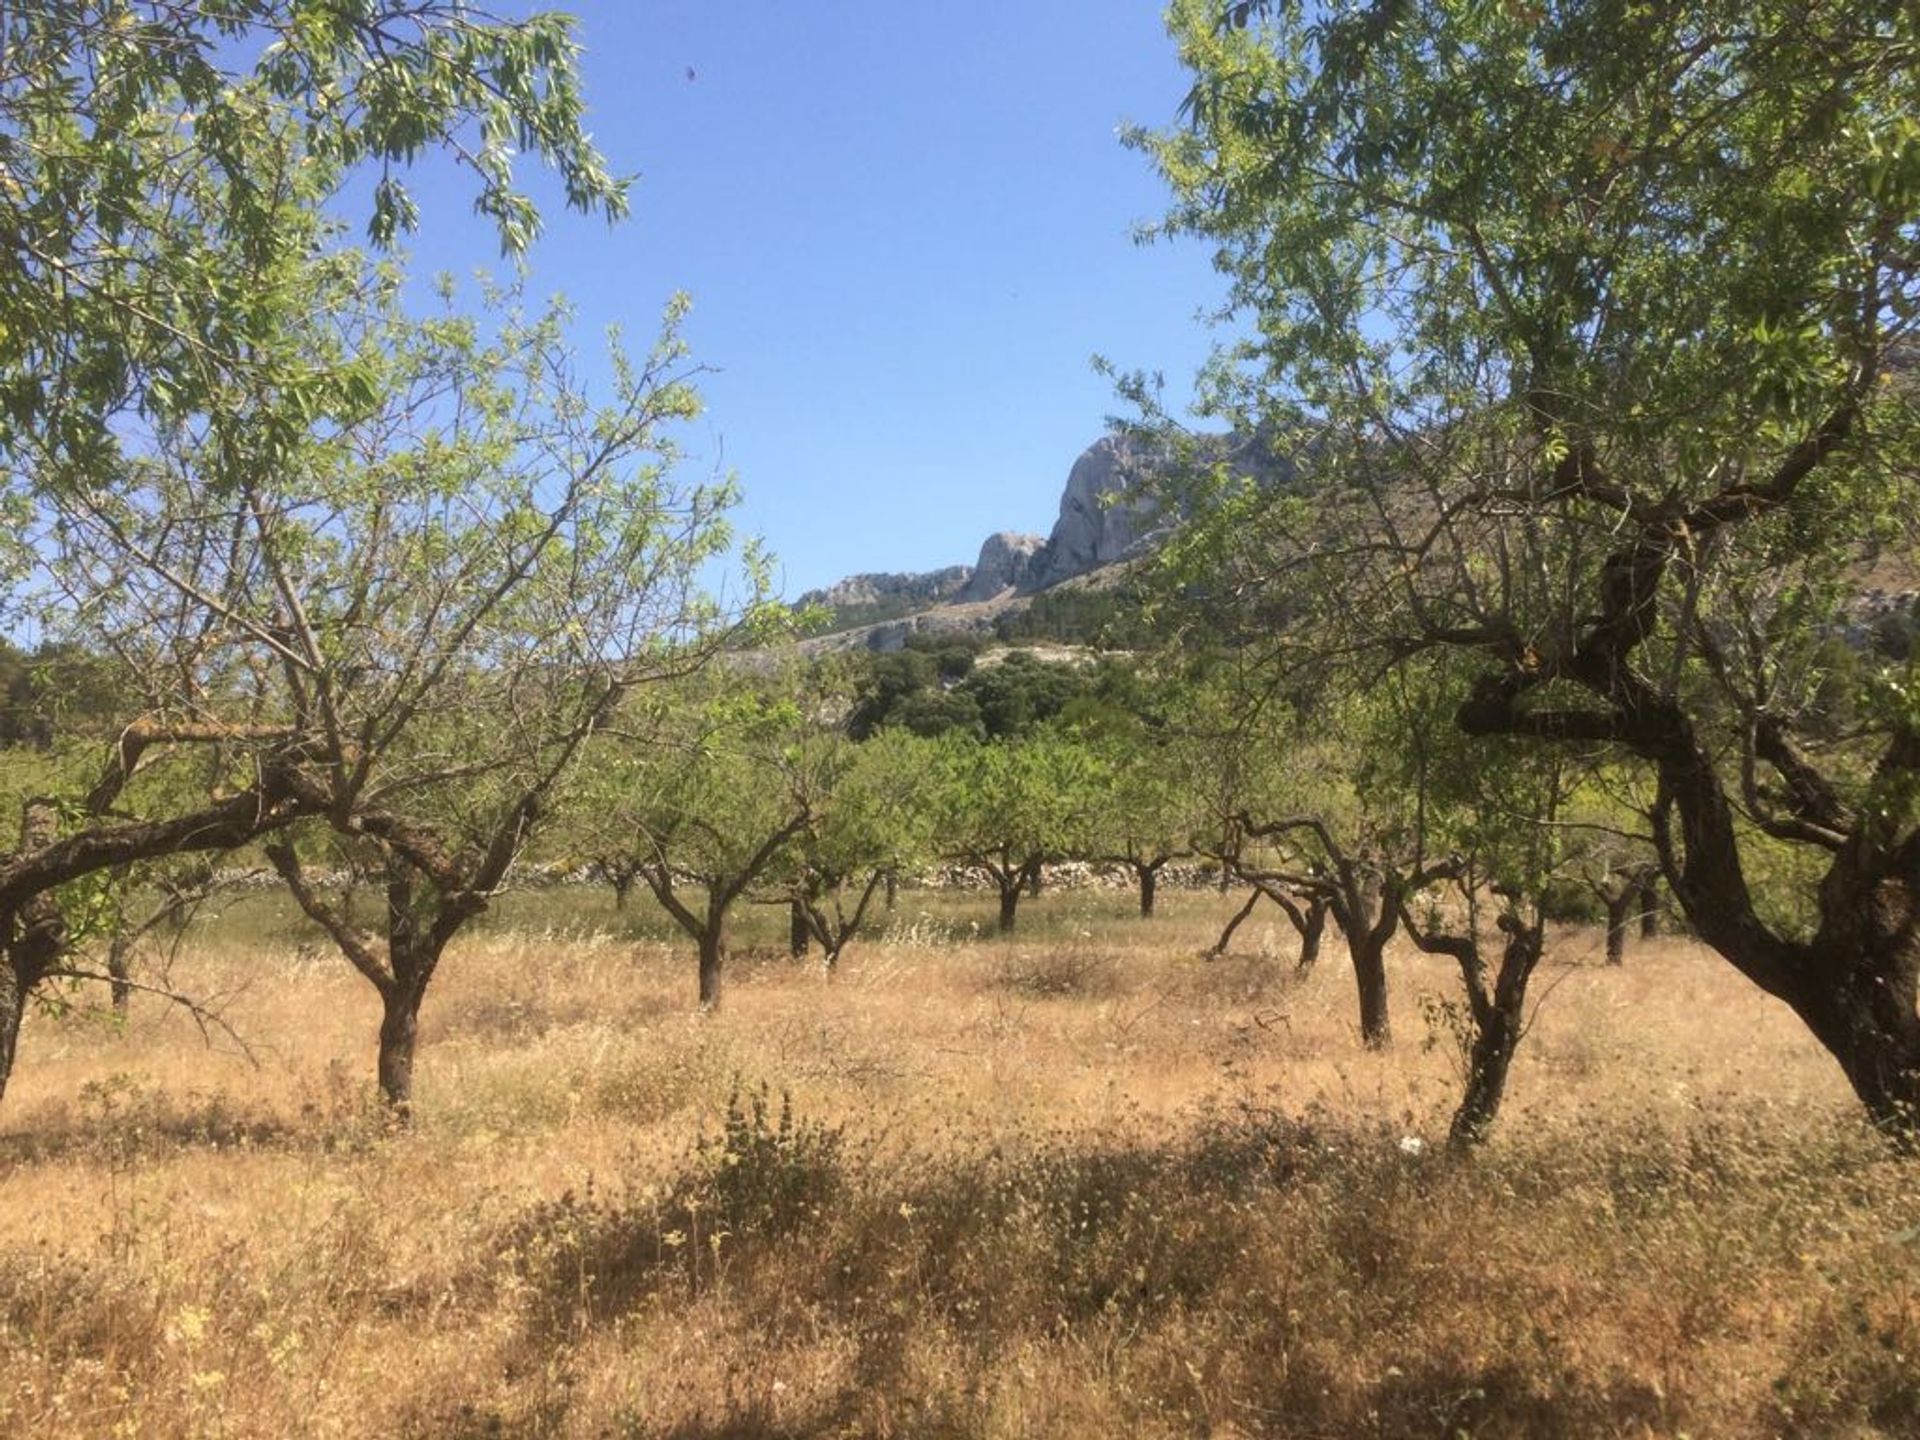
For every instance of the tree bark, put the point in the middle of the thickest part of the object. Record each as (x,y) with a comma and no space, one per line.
(1870,1027)
(1854,982)
(1370,976)
(1149,883)
(13,1004)
(34,936)
(893,889)
(1366,907)
(120,970)
(1311,934)
(399,1034)
(1226,935)
(1649,897)
(1499,1021)
(1009,903)
(1619,922)
(713,953)
(1487,1065)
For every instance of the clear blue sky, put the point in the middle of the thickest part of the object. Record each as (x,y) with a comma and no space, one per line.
(906,228)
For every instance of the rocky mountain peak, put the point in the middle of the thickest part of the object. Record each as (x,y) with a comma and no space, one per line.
(1108,513)
(1104,511)
(1006,562)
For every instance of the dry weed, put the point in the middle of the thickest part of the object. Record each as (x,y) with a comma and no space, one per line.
(1079,1183)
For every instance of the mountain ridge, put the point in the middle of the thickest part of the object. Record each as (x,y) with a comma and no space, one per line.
(1109,513)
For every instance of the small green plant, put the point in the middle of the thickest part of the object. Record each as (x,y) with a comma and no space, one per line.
(762,1174)
(594,1252)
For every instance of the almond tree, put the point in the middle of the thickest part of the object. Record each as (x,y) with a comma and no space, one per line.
(1239,754)
(710,805)
(1337,829)
(869,817)
(1504,821)
(75,831)
(456,616)
(1620,883)
(1495,1016)
(1593,327)
(1152,803)
(1007,807)
(146,143)
(168,296)
(143,900)
(428,608)
(1306,912)
(1364,880)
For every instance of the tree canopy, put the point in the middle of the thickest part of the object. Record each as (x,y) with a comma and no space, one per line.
(1594,320)
(147,146)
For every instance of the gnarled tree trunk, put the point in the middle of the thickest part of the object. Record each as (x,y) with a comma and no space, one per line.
(1370,978)
(1855,987)
(1367,915)
(1499,1021)
(1312,932)
(1149,876)
(834,930)
(417,935)
(1239,918)
(1619,921)
(34,935)
(713,954)
(1648,898)
(120,970)
(399,1035)
(1872,1031)
(13,1005)
(1488,1062)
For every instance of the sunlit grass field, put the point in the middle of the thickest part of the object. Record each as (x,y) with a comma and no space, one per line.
(1081,1182)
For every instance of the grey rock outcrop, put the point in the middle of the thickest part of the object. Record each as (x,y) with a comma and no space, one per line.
(1110,511)
(934,587)
(1104,512)
(1006,562)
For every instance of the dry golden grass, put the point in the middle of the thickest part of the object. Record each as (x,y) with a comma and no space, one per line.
(1081,1183)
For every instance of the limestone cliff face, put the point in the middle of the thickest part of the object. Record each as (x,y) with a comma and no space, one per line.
(896,592)
(1104,514)
(1108,513)
(1006,562)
